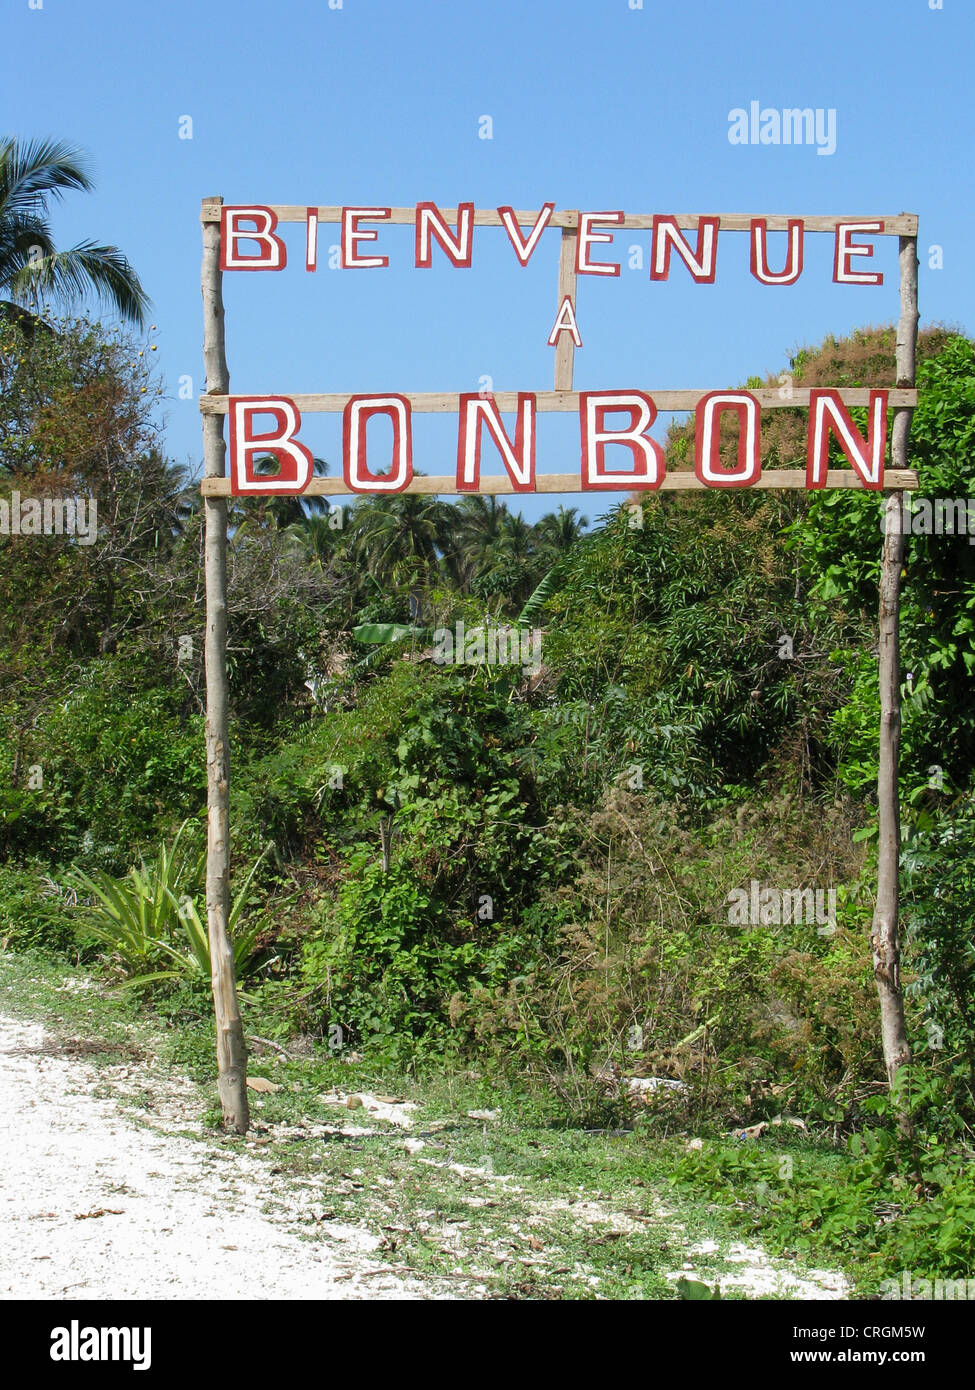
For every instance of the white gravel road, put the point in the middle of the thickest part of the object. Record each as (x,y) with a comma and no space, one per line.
(93,1205)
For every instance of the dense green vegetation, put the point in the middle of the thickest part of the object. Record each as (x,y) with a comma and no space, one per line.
(523,869)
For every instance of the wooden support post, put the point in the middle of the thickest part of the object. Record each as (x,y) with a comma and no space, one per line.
(565,348)
(231,1051)
(885,936)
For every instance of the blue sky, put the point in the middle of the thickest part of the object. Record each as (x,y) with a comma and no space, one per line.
(594,105)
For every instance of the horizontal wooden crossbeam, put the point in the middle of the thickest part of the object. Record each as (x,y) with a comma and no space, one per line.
(901,224)
(437,402)
(790,479)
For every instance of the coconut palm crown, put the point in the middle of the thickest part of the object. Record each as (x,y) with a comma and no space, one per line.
(34,173)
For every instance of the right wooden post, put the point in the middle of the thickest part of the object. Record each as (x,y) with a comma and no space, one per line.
(231,1049)
(885,934)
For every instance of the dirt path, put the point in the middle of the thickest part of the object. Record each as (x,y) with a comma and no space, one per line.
(93,1205)
(105,1194)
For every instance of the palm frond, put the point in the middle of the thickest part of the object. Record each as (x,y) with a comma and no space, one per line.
(33,170)
(66,275)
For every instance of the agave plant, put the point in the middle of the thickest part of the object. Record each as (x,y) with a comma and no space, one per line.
(136,913)
(151,920)
(192,959)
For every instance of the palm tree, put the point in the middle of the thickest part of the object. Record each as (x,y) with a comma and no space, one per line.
(399,537)
(314,540)
(32,173)
(477,525)
(557,532)
(290,509)
(508,568)
(517,540)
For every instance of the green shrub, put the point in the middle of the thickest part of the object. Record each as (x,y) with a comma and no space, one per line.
(866,1209)
(939,889)
(36,910)
(386,970)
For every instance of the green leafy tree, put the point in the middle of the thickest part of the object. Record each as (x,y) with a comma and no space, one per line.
(510,566)
(939,871)
(476,529)
(837,540)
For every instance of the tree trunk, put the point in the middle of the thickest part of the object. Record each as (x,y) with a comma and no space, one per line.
(885,936)
(231,1051)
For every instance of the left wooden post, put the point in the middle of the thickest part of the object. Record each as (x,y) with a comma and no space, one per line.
(231,1052)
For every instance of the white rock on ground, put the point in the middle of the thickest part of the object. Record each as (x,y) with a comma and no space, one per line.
(190,1222)
(758,1276)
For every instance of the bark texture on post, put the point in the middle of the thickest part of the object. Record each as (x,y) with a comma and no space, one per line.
(885,936)
(564,346)
(231,1051)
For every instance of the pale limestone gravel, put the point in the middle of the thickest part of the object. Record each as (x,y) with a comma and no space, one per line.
(747,1268)
(192,1221)
(202,1221)
(753,1271)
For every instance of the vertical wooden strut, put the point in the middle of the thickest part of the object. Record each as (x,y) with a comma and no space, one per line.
(565,348)
(231,1052)
(885,936)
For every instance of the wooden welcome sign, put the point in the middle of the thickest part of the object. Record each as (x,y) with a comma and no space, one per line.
(246,238)
(250,240)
